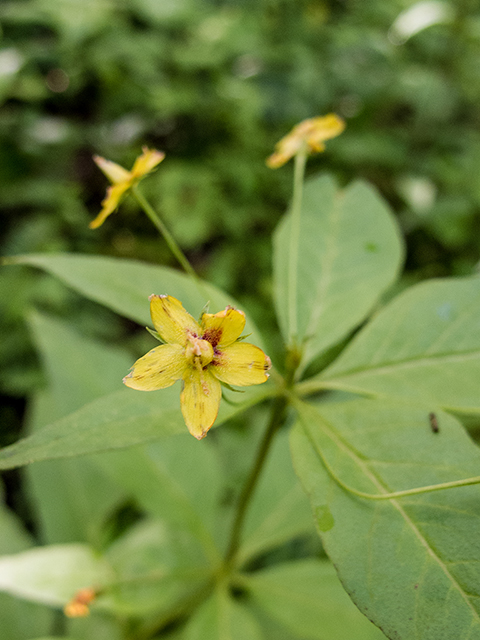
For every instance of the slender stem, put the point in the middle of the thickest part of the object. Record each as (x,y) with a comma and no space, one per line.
(298,176)
(169,239)
(276,420)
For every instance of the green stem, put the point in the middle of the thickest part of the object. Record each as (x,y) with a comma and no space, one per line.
(298,176)
(169,239)
(276,421)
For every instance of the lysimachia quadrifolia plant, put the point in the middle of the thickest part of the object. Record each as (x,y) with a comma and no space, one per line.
(370,395)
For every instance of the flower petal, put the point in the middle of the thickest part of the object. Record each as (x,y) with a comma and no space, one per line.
(325,128)
(224,327)
(171,320)
(158,369)
(200,400)
(146,162)
(109,204)
(241,364)
(114,172)
(312,132)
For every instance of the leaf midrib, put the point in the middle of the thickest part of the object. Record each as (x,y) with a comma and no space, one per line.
(330,431)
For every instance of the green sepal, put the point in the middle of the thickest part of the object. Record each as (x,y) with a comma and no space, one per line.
(243,337)
(206,309)
(155,334)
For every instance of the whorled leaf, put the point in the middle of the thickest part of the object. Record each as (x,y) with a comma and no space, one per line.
(331,271)
(411,564)
(125,285)
(423,347)
(307,598)
(221,618)
(115,421)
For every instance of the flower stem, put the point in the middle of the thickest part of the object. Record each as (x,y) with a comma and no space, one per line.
(276,421)
(169,239)
(298,176)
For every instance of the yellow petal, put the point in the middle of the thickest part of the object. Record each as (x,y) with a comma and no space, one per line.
(114,172)
(325,128)
(224,327)
(146,162)
(200,400)
(171,320)
(312,132)
(158,369)
(241,364)
(109,204)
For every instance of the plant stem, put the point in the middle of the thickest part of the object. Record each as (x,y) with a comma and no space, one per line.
(169,239)
(276,420)
(298,176)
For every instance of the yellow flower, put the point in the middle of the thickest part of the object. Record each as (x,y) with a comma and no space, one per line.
(202,356)
(312,133)
(122,180)
(78,607)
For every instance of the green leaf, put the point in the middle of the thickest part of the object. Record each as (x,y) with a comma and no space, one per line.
(124,285)
(279,510)
(307,598)
(177,479)
(86,495)
(349,252)
(13,536)
(116,421)
(222,618)
(157,566)
(18,619)
(99,367)
(412,565)
(53,574)
(423,347)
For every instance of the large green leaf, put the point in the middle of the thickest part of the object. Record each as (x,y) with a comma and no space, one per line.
(331,271)
(177,479)
(222,618)
(157,567)
(279,510)
(86,495)
(307,598)
(124,285)
(116,421)
(411,564)
(423,347)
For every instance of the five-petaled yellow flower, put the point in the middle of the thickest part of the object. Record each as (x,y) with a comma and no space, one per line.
(123,180)
(311,133)
(202,355)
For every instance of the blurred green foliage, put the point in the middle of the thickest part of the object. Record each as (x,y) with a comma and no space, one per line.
(215,85)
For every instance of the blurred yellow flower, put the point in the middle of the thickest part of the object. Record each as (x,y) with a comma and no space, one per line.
(202,355)
(122,180)
(78,607)
(312,133)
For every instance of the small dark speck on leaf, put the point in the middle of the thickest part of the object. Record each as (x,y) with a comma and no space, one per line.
(416,586)
(433,422)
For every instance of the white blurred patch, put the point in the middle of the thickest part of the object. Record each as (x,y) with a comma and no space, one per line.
(419,193)
(49,130)
(418,17)
(11,61)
